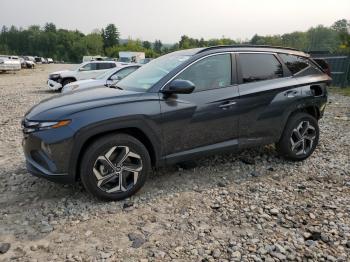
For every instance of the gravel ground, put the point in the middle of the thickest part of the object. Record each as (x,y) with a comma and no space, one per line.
(251,206)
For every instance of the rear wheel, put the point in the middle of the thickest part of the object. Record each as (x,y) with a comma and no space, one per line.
(115,167)
(299,138)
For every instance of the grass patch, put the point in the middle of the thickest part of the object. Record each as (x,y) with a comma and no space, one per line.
(342,91)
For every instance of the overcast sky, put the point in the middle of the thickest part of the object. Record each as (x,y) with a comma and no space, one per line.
(167,20)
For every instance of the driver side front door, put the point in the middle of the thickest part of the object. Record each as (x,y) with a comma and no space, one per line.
(207,119)
(88,71)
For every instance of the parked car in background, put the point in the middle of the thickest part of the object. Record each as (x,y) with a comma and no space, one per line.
(39,60)
(23,62)
(14,57)
(49,60)
(29,61)
(86,70)
(182,105)
(8,63)
(106,79)
(29,58)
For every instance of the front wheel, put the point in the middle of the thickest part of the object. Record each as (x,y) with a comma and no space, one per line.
(300,137)
(115,167)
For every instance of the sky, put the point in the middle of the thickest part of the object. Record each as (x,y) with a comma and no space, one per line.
(167,20)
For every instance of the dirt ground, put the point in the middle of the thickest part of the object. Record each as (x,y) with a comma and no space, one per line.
(251,206)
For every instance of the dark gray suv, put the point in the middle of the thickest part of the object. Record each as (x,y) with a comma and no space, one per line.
(182,105)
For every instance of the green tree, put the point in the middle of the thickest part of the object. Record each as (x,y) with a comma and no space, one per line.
(146,44)
(343,28)
(94,44)
(110,36)
(297,40)
(321,38)
(50,27)
(157,46)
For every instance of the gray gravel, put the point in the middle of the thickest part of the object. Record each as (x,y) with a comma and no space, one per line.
(251,206)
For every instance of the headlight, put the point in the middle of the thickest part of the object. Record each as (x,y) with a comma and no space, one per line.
(32,126)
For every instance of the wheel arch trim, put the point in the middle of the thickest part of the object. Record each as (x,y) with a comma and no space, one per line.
(136,128)
(309,108)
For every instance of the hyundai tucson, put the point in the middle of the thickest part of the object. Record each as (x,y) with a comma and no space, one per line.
(177,107)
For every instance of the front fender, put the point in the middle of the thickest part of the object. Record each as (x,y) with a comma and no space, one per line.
(95,122)
(84,136)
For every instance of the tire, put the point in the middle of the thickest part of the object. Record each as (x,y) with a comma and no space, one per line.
(300,137)
(95,169)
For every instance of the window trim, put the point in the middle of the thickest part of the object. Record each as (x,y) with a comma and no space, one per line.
(234,72)
(302,70)
(285,71)
(83,66)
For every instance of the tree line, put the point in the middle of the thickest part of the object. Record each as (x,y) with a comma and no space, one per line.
(72,45)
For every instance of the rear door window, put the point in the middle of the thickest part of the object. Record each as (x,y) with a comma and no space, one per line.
(259,67)
(294,63)
(103,66)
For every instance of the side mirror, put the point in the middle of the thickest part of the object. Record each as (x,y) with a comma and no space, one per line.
(109,83)
(179,86)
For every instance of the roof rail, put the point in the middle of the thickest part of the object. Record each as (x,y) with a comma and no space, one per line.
(255,46)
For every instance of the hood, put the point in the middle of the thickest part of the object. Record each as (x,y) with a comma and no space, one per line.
(87,83)
(62,106)
(60,72)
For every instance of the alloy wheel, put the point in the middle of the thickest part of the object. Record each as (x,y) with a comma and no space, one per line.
(302,138)
(117,170)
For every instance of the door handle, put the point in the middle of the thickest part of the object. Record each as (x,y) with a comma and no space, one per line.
(227,104)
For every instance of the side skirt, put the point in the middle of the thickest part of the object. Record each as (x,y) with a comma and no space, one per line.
(231,145)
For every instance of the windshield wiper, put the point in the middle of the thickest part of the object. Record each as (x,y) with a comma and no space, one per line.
(117,87)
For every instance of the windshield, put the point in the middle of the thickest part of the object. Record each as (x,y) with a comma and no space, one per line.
(149,74)
(124,59)
(105,74)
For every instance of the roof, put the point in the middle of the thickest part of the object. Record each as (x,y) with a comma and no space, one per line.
(256,48)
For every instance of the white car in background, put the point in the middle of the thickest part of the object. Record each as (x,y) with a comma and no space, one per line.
(9,63)
(86,70)
(29,61)
(108,78)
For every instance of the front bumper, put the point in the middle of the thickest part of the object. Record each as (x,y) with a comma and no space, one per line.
(10,67)
(53,85)
(48,153)
(38,171)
